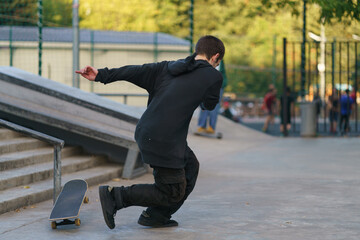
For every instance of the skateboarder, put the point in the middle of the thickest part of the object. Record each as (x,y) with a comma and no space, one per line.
(176,89)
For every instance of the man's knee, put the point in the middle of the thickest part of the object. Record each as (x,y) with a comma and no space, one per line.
(172,184)
(177,192)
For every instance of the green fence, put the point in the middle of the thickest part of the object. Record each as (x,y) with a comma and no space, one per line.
(34,38)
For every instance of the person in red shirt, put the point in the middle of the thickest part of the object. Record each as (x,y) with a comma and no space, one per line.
(269,107)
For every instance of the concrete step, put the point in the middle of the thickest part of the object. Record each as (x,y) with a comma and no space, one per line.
(40,155)
(8,134)
(30,174)
(18,197)
(19,144)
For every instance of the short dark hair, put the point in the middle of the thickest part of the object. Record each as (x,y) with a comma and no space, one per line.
(209,46)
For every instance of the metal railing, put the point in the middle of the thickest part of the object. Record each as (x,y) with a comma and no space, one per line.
(124,95)
(57,143)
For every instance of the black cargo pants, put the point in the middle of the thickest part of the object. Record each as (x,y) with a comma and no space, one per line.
(167,194)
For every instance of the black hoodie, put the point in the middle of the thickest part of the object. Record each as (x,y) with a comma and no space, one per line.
(176,89)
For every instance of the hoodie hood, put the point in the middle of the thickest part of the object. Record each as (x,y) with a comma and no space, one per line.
(186,65)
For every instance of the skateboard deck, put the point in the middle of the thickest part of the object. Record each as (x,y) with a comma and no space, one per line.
(217,135)
(68,203)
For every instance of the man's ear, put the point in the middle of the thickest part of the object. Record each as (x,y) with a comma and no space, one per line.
(216,57)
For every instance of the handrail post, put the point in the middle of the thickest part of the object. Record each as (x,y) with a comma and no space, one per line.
(57,171)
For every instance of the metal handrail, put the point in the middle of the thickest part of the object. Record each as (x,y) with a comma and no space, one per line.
(124,95)
(57,143)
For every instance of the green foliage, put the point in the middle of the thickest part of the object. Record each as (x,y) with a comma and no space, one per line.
(24,12)
(57,13)
(18,12)
(330,10)
(241,80)
(120,15)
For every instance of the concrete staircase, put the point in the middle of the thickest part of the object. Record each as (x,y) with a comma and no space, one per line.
(26,169)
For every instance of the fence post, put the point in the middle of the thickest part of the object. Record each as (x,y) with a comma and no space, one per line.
(191,15)
(284,97)
(356,88)
(303,73)
(323,81)
(155,47)
(340,69)
(11,46)
(40,26)
(309,70)
(75,23)
(293,81)
(333,67)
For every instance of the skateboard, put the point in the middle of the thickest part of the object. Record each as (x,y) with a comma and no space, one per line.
(217,135)
(68,204)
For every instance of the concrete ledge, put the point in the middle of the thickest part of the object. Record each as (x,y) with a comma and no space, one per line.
(88,100)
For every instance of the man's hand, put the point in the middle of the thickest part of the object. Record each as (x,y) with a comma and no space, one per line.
(88,72)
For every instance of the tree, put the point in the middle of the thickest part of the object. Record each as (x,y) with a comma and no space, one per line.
(330,9)
(57,13)
(18,12)
(119,15)
(24,12)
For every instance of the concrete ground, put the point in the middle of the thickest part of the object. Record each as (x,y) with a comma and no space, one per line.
(323,127)
(251,186)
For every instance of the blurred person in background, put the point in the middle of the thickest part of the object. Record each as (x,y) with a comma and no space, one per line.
(269,107)
(346,103)
(211,116)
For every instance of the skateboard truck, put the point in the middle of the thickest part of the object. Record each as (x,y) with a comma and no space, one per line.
(54,224)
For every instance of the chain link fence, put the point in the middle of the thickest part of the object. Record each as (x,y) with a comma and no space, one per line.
(36,38)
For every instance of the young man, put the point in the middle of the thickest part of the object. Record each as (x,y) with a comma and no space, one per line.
(176,89)
(346,103)
(289,106)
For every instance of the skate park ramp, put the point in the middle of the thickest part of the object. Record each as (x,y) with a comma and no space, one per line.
(80,118)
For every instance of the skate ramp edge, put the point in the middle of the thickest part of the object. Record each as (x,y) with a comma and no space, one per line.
(80,118)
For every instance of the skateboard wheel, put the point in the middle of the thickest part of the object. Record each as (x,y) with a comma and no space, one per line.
(77,222)
(86,199)
(53,225)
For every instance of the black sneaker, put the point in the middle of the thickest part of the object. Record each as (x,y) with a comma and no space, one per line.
(108,205)
(146,220)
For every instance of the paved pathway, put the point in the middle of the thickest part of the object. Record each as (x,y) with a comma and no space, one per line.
(251,186)
(323,127)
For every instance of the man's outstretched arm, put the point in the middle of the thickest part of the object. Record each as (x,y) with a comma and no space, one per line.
(143,76)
